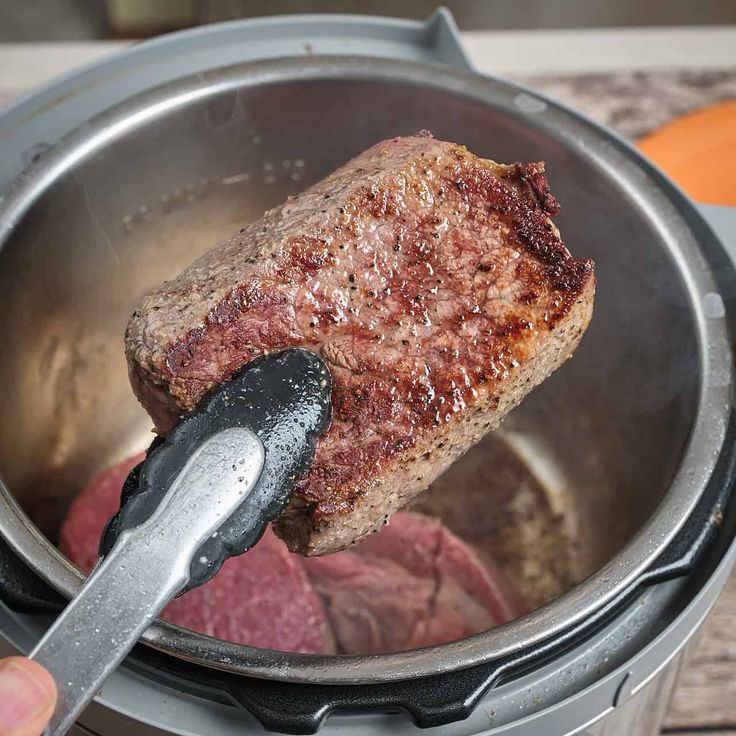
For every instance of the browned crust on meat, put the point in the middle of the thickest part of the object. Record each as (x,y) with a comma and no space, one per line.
(314,528)
(433,283)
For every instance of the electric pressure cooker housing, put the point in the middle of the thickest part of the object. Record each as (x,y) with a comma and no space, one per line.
(100,171)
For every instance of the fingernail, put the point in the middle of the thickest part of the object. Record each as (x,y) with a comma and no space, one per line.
(24,693)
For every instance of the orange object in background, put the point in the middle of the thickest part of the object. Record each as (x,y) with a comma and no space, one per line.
(699,152)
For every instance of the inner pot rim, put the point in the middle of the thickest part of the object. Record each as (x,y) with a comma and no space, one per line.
(615,158)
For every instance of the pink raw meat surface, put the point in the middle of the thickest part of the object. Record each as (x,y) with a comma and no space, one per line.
(426,548)
(262,598)
(90,511)
(413,584)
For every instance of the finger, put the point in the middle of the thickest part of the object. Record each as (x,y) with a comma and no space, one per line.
(27,697)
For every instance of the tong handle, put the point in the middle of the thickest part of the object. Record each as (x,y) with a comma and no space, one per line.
(147,567)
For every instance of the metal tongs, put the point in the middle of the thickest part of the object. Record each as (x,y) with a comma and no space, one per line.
(204,494)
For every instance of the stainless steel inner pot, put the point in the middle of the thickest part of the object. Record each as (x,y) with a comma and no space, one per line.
(623,438)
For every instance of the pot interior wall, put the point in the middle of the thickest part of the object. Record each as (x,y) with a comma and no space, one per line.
(598,443)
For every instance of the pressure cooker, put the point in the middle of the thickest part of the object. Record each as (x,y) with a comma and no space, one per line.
(115,177)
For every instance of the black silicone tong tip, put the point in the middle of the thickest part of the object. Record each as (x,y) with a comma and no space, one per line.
(285,398)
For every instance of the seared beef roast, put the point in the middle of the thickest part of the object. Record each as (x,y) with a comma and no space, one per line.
(432,281)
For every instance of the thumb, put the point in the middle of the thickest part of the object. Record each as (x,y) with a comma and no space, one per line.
(27,697)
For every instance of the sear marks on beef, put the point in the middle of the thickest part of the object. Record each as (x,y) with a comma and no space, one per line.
(433,282)
(414,584)
(263,598)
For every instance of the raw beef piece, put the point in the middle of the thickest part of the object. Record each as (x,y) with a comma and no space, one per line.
(91,510)
(414,584)
(262,598)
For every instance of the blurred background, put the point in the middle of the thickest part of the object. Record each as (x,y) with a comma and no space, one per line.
(68,20)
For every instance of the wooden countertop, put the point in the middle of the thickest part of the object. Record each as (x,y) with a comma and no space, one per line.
(632,80)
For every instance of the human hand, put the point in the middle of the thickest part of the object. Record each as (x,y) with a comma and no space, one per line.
(27,697)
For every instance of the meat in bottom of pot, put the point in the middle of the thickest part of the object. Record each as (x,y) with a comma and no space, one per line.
(413,584)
